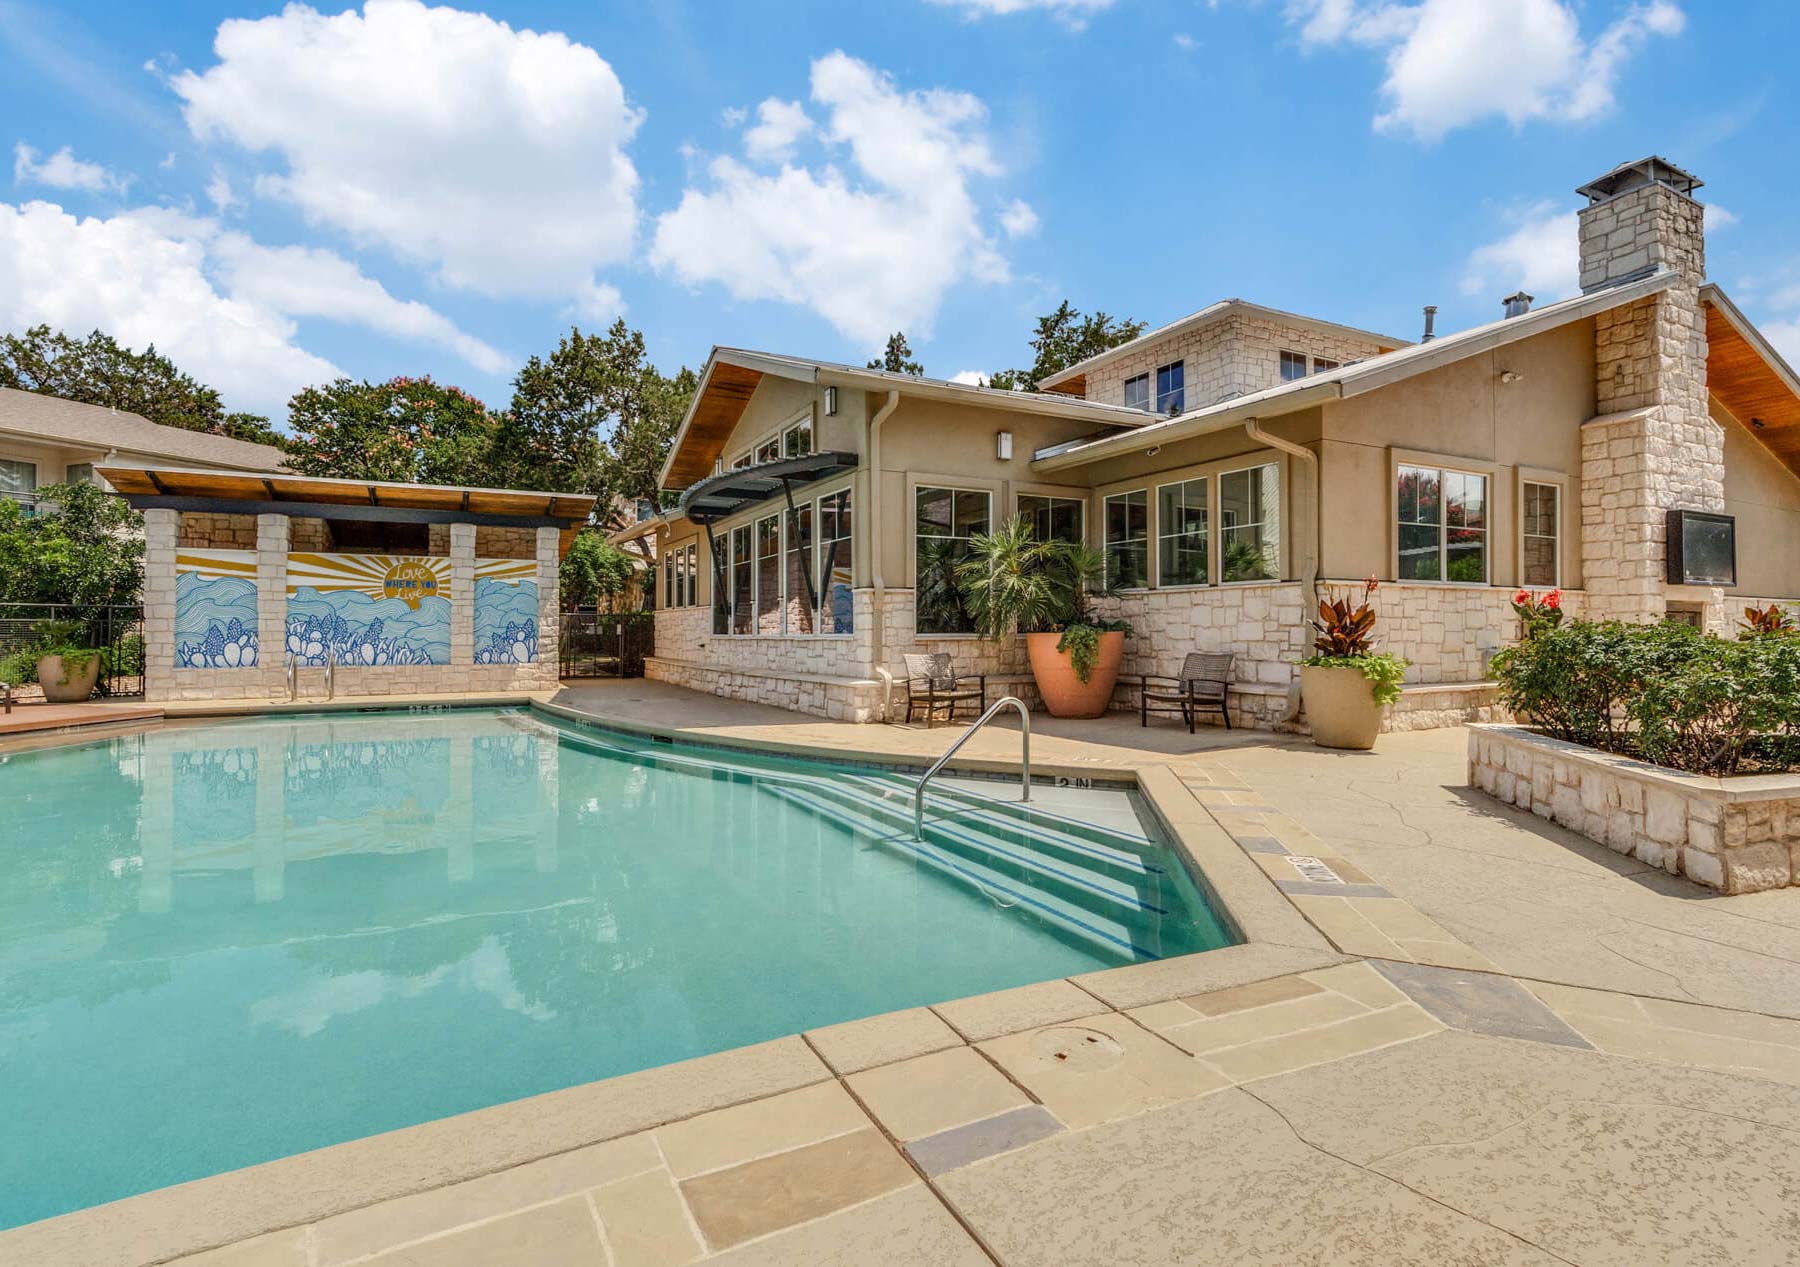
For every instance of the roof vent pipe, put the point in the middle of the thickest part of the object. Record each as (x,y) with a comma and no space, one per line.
(1430,321)
(1517,304)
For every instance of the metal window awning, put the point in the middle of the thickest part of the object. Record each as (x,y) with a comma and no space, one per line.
(721,496)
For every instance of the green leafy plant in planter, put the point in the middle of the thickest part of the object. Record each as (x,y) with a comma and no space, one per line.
(65,639)
(1346,640)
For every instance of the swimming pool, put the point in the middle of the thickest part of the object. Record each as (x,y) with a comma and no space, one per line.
(228,943)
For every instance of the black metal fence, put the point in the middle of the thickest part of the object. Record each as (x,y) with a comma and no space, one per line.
(117,629)
(606,644)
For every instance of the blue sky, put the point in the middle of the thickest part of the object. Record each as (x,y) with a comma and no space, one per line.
(276,195)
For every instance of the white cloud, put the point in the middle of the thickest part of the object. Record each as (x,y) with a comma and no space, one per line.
(126,276)
(1018,220)
(1185,42)
(873,237)
(1785,335)
(969,378)
(1074,13)
(62,170)
(1542,255)
(219,192)
(494,156)
(1718,218)
(1452,63)
(779,126)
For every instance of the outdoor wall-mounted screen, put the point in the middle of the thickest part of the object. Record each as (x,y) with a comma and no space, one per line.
(1702,548)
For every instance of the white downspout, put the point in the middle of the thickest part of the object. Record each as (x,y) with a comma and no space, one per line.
(875,551)
(1310,534)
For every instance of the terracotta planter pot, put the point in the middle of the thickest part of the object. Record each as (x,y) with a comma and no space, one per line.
(1066,695)
(79,685)
(1340,707)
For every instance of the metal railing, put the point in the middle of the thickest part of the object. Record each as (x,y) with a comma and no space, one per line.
(117,629)
(977,724)
(605,644)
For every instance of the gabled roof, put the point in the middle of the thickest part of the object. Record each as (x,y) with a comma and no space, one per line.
(1357,378)
(732,375)
(1750,378)
(1216,312)
(35,416)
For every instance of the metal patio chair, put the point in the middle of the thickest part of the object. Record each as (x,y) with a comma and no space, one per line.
(932,683)
(1205,683)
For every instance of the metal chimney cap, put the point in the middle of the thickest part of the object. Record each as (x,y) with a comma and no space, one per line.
(1645,171)
(1518,303)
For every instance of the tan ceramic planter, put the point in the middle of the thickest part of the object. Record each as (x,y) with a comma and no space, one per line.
(1066,695)
(1340,706)
(79,686)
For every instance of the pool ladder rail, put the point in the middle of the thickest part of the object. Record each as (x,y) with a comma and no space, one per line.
(293,676)
(1012,701)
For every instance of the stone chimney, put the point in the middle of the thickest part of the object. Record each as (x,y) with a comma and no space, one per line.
(1653,446)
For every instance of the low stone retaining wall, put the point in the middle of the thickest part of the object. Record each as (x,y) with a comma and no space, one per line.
(1737,835)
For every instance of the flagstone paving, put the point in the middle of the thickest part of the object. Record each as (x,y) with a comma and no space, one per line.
(1519,1049)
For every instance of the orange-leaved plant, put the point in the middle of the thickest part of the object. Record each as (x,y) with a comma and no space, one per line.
(1766,622)
(1346,640)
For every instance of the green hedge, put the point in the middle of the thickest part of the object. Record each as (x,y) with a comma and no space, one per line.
(1664,692)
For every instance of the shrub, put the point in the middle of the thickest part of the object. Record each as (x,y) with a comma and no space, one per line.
(1346,640)
(1662,691)
(1538,614)
(1763,622)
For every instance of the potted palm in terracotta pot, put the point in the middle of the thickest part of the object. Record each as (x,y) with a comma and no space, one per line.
(1345,684)
(1012,582)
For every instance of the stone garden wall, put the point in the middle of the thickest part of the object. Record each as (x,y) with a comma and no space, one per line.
(1737,835)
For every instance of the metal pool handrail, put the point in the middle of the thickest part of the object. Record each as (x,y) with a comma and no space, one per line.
(293,678)
(979,722)
(330,673)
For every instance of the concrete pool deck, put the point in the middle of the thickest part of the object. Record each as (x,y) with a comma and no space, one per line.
(1472,1037)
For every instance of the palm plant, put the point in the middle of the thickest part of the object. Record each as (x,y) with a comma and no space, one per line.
(1012,582)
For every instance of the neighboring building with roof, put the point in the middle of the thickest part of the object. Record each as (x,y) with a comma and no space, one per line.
(1636,446)
(47,440)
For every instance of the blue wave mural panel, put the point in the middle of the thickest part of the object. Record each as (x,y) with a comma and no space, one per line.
(506,611)
(215,609)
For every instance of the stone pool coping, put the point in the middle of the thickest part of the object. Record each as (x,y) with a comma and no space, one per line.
(218,1210)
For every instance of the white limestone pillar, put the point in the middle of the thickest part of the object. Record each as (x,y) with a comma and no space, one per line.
(273,540)
(462,594)
(162,529)
(549,560)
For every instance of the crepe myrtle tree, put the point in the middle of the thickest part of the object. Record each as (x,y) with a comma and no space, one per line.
(406,430)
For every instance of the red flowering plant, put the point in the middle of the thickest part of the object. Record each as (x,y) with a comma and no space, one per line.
(1766,622)
(1538,613)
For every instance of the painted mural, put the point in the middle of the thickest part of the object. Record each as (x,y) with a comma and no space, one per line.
(368,609)
(506,611)
(215,609)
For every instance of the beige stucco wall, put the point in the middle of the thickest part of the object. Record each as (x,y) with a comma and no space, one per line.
(1464,415)
(1765,496)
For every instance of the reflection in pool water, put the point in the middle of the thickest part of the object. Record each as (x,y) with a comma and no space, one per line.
(224,944)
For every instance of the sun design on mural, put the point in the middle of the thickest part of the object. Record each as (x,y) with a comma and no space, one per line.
(411,579)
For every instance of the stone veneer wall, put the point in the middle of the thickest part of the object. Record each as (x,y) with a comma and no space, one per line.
(275,536)
(1654,445)
(1736,835)
(1232,356)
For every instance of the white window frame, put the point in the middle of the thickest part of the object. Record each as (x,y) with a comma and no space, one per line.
(1149,401)
(1400,460)
(1281,356)
(1325,364)
(1156,392)
(728,538)
(1157,533)
(1560,483)
(27,498)
(939,484)
(1218,527)
(1149,536)
(1075,495)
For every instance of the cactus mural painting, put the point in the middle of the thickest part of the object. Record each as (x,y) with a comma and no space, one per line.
(506,611)
(368,610)
(215,609)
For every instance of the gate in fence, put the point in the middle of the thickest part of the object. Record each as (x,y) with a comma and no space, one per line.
(606,644)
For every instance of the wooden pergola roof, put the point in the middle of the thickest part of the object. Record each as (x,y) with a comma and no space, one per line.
(723,396)
(376,501)
(1751,379)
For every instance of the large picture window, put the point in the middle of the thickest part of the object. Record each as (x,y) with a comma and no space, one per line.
(837,612)
(1171,392)
(945,519)
(1443,525)
(1128,539)
(1250,524)
(1542,525)
(1053,518)
(18,481)
(798,611)
(743,590)
(768,575)
(797,440)
(1181,533)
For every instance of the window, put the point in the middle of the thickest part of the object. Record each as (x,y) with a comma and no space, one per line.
(1250,524)
(1181,533)
(18,480)
(1053,518)
(693,575)
(718,554)
(1321,364)
(669,579)
(742,460)
(944,519)
(1293,366)
(1170,396)
(79,473)
(768,575)
(798,611)
(769,449)
(743,592)
(1128,539)
(797,440)
(1443,526)
(1542,519)
(1137,392)
(836,602)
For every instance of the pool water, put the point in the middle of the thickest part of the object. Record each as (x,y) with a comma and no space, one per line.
(225,944)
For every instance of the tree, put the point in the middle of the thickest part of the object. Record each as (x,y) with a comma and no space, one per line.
(592,569)
(409,430)
(1064,338)
(89,551)
(594,417)
(897,359)
(98,371)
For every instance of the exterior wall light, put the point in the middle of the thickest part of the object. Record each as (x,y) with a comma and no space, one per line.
(830,402)
(1004,447)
